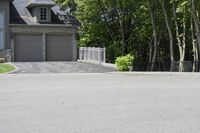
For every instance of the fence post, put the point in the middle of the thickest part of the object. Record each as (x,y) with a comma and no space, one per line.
(85,56)
(93,53)
(99,55)
(80,53)
(89,54)
(104,55)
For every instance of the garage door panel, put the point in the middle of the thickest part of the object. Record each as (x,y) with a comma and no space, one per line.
(28,47)
(31,52)
(59,48)
(59,56)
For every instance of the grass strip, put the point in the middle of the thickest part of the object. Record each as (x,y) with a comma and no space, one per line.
(6,68)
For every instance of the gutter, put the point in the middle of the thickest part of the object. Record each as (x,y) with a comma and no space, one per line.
(43,25)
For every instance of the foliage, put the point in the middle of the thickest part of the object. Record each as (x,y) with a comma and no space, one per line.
(124,62)
(126,26)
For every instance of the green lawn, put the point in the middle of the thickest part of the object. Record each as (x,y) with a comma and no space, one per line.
(6,68)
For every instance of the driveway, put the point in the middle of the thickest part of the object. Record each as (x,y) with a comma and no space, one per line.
(100,103)
(59,67)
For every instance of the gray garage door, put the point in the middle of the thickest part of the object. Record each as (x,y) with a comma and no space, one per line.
(59,47)
(28,47)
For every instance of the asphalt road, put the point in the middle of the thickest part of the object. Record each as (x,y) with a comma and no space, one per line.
(59,67)
(100,103)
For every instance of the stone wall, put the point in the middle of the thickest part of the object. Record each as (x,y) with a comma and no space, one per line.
(6,54)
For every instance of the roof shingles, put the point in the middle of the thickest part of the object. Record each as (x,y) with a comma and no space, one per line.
(20,14)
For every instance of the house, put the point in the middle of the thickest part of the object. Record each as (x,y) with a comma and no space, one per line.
(34,31)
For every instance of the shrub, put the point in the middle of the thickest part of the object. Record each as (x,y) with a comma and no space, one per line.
(124,62)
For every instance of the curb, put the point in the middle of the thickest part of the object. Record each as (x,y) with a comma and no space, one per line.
(110,65)
(157,73)
(102,64)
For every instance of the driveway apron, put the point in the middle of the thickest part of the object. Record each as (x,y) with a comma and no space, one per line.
(59,67)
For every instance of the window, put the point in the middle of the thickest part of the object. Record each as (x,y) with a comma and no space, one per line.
(2,29)
(43,14)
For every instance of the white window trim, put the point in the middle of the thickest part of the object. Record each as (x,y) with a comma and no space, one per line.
(47,16)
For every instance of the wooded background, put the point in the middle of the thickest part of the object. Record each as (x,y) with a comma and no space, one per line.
(152,30)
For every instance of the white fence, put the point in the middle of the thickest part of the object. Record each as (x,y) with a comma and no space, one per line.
(92,54)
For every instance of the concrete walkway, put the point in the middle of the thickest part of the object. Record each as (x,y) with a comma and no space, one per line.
(59,67)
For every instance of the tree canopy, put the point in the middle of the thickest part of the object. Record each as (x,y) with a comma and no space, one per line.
(152,30)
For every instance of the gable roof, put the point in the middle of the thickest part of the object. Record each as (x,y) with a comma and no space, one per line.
(40,2)
(20,14)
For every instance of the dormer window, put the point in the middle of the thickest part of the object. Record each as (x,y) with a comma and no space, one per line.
(41,10)
(43,14)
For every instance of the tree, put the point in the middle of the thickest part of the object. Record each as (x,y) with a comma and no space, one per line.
(149,29)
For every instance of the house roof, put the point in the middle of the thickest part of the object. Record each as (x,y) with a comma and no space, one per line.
(40,2)
(21,14)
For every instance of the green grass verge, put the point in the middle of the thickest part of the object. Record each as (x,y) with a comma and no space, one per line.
(6,68)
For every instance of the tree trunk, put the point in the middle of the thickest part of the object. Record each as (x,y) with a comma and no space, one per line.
(121,24)
(170,34)
(178,38)
(183,43)
(196,23)
(150,52)
(155,36)
(195,49)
